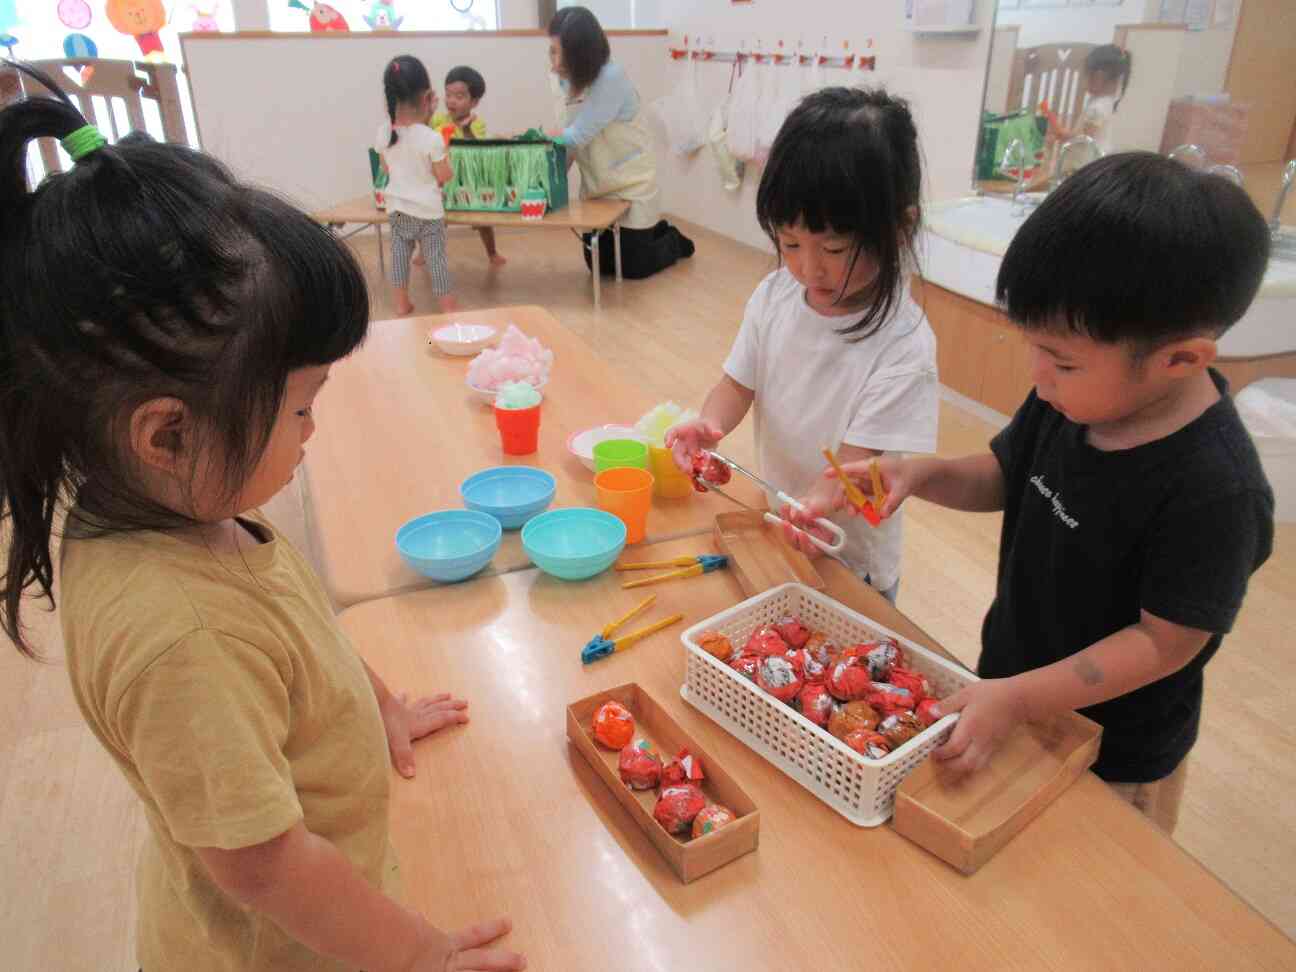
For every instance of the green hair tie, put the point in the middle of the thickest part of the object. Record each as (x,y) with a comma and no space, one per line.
(82,142)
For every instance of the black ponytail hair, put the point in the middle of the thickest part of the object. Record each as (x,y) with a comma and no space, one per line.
(585,48)
(847,160)
(146,271)
(1114,62)
(404,82)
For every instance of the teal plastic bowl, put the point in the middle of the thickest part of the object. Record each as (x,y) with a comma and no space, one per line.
(511,494)
(451,545)
(575,543)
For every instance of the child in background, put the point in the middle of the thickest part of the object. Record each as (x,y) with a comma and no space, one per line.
(1135,508)
(418,167)
(1108,68)
(832,351)
(464,90)
(164,334)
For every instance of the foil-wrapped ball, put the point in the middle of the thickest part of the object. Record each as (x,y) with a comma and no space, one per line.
(777,677)
(640,766)
(871,744)
(716,645)
(677,806)
(614,726)
(792,631)
(712,818)
(852,717)
(899,728)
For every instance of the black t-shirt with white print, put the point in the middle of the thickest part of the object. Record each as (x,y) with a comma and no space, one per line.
(1175,527)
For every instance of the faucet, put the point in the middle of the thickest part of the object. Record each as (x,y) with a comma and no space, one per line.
(1016,148)
(1289,175)
(1230,172)
(1076,141)
(1197,153)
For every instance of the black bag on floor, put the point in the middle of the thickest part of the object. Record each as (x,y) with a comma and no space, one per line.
(643,251)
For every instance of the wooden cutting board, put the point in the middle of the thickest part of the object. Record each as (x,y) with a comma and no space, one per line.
(758,556)
(966,822)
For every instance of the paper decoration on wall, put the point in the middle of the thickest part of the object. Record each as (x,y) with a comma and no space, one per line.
(77,46)
(204,21)
(141,19)
(74,14)
(322,17)
(382,16)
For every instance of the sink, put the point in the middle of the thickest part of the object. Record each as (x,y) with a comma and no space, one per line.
(964,241)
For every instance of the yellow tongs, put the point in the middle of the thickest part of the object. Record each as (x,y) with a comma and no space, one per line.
(829,525)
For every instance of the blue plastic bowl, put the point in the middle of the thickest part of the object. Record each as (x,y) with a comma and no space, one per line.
(450,545)
(511,494)
(573,544)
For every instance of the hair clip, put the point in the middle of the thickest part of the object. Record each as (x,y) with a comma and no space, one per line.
(83,142)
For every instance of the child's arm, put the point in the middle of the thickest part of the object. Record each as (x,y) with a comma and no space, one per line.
(406,722)
(307,887)
(725,406)
(1117,665)
(441,170)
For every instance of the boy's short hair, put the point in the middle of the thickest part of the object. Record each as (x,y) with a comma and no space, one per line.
(1136,248)
(470,77)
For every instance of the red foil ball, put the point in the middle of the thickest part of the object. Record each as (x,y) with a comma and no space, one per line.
(815,703)
(746,665)
(640,766)
(926,712)
(765,641)
(712,470)
(677,806)
(712,818)
(809,668)
(792,631)
(874,745)
(888,698)
(684,768)
(777,677)
(614,726)
(848,678)
(915,682)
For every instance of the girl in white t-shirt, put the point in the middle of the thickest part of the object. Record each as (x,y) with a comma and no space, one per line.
(417,166)
(1108,75)
(832,351)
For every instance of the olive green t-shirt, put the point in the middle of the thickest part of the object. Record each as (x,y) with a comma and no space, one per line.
(235,707)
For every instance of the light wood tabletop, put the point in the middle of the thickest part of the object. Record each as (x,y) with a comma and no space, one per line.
(504,817)
(579,214)
(399,430)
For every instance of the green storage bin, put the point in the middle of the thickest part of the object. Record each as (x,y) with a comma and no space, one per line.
(998,130)
(493,174)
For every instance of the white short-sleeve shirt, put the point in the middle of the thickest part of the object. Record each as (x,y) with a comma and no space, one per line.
(412,189)
(816,388)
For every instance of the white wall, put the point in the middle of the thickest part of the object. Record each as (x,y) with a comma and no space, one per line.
(941,75)
(1203,68)
(519,14)
(1140,120)
(1079,25)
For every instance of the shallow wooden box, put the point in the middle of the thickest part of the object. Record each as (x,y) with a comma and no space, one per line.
(758,557)
(965,823)
(689,859)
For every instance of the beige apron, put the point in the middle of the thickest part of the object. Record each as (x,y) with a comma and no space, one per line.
(619,162)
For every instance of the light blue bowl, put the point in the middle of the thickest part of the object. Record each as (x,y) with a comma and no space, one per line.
(511,494)
(450,545)
(573,544)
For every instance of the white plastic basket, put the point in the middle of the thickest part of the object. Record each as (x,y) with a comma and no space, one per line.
(861,789)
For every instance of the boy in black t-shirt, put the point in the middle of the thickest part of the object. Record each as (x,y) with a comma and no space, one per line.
(1135,509)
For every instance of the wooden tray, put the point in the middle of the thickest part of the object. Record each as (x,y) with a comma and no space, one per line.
(758,557)
(966,823)
(689,859)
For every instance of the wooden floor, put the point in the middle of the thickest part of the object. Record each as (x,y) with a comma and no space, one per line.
(70,828)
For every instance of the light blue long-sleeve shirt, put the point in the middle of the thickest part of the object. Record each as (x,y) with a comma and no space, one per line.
(610,98)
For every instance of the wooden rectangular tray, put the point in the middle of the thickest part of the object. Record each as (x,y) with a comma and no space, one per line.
(689,859)
(758,557)
(965,823)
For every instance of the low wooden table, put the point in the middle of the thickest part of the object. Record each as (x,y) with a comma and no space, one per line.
(504,817)
(582,215)
(399,430)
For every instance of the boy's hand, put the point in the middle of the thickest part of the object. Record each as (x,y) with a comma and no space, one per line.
(992,708)
(407,721)
(899,482)
(462,951)
(689,438)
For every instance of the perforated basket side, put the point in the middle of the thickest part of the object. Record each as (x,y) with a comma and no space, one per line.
(859,788)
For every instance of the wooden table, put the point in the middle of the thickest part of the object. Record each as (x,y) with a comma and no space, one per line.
(504,817)
(582,215)
(399,431)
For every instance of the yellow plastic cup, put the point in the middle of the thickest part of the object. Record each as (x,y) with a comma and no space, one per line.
(614,453)
(626,493)
(670,482)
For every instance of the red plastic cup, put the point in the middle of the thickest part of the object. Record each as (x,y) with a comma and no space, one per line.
(519,429)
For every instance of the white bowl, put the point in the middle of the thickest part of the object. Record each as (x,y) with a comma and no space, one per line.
(487,395)
(462,339)
(581,444)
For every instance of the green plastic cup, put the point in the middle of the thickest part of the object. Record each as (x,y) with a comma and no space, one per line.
(618,453)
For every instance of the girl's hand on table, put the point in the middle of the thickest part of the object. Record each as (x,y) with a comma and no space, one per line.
(992,708)
(689,438)
(407,721)
(463,951)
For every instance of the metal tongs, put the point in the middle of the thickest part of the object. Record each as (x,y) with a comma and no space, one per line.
(783,497)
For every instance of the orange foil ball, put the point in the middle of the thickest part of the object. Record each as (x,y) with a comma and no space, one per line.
(712,818)
(614,726)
